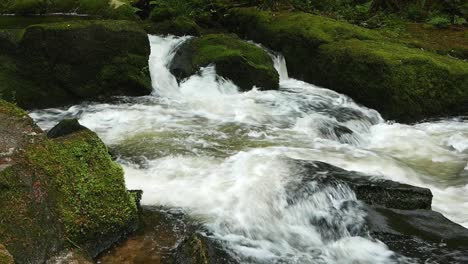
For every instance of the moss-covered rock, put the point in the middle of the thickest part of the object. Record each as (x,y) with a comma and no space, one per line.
(60,193)
(244,63)
(5,256)
(122,9)
(403,83)
(62,63)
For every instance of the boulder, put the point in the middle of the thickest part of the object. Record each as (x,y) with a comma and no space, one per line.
(59,193)
(397,214)
(369,189)
(244,63)
(403,83)
(421,234)
(66,62)
(199,248)
(175,239)
(101,8)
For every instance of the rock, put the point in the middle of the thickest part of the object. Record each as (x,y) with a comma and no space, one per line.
(397,214)
(167,236)
(17,131)
(201,249)
(371,190)
(69,185)
(71,257)
(64,128)
(403,83)
(5,256)
(102,8)
(67,62)
(245,64)
(161,231)
(421,234)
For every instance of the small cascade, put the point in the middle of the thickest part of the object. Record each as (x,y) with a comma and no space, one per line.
(222,156)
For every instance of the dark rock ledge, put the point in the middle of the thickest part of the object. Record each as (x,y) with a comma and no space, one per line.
(399,215)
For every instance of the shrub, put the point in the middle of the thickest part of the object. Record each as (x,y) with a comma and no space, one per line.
(440,22)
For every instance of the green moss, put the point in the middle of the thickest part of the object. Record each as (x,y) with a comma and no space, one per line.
(90,190)
(69,185)
(403,83)
(10,109)
(121,9)
(314,29)
(217,47)
(244,63)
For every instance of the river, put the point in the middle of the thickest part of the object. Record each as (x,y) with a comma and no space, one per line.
(221,156)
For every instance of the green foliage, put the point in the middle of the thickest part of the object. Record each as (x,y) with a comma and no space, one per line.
(440,22)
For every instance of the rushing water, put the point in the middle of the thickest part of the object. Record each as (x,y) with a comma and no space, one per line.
(222,155)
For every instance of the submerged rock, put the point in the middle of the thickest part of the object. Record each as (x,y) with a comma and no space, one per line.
(403,83)
(60,193)
(371,190)
(65,62)
(244,63)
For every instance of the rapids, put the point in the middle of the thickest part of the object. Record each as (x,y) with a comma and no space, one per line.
(220,155)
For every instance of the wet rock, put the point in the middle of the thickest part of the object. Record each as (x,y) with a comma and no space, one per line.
(421,234)
(371,190)
(5,256)
(17,130)
(70,257)
(201,249)
(64,128)
(167,236)
(245,64)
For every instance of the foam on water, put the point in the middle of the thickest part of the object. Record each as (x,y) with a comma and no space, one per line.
(222,156)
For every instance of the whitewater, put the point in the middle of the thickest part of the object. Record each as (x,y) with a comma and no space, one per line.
(222,157)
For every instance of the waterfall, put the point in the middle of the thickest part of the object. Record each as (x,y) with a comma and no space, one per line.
(222,156)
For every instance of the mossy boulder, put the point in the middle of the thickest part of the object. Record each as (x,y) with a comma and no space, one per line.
(66,62)
(244,63)
(60,193)
(102,8)
(403,83)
